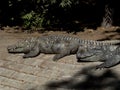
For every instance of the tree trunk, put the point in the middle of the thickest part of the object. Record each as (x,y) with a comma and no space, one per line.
(107,19)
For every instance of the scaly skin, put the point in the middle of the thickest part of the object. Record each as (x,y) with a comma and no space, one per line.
(61,45)
(109,54)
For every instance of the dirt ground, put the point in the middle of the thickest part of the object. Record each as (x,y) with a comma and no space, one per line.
(41,73)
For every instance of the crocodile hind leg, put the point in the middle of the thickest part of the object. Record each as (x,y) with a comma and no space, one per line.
(109,63)
(60,55)
(65,49)
(34,52)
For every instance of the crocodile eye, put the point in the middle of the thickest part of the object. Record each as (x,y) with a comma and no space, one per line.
(82,51)
(14,48)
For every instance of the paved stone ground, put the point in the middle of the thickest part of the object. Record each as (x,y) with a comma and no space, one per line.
(41,73)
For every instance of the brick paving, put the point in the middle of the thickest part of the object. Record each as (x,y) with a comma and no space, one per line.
(40,72)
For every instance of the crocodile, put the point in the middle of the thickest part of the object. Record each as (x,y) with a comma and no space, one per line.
(61,45)
(108,54)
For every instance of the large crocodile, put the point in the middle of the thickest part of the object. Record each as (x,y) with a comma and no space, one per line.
(108,54)
(61,45)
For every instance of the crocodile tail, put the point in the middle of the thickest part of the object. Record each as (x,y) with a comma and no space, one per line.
(111,42)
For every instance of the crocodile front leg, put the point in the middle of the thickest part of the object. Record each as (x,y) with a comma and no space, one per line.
(109,62)
(34,52)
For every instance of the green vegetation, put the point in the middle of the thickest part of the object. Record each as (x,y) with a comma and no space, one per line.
(32,14)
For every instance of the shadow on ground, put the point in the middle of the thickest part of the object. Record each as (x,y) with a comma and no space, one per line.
(87,80)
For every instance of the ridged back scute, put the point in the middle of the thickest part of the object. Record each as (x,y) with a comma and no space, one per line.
(52,38)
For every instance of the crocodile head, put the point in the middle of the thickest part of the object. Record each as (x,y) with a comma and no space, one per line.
(23,46)
(89,53)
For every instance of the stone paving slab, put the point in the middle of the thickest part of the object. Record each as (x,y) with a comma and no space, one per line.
(41,73)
